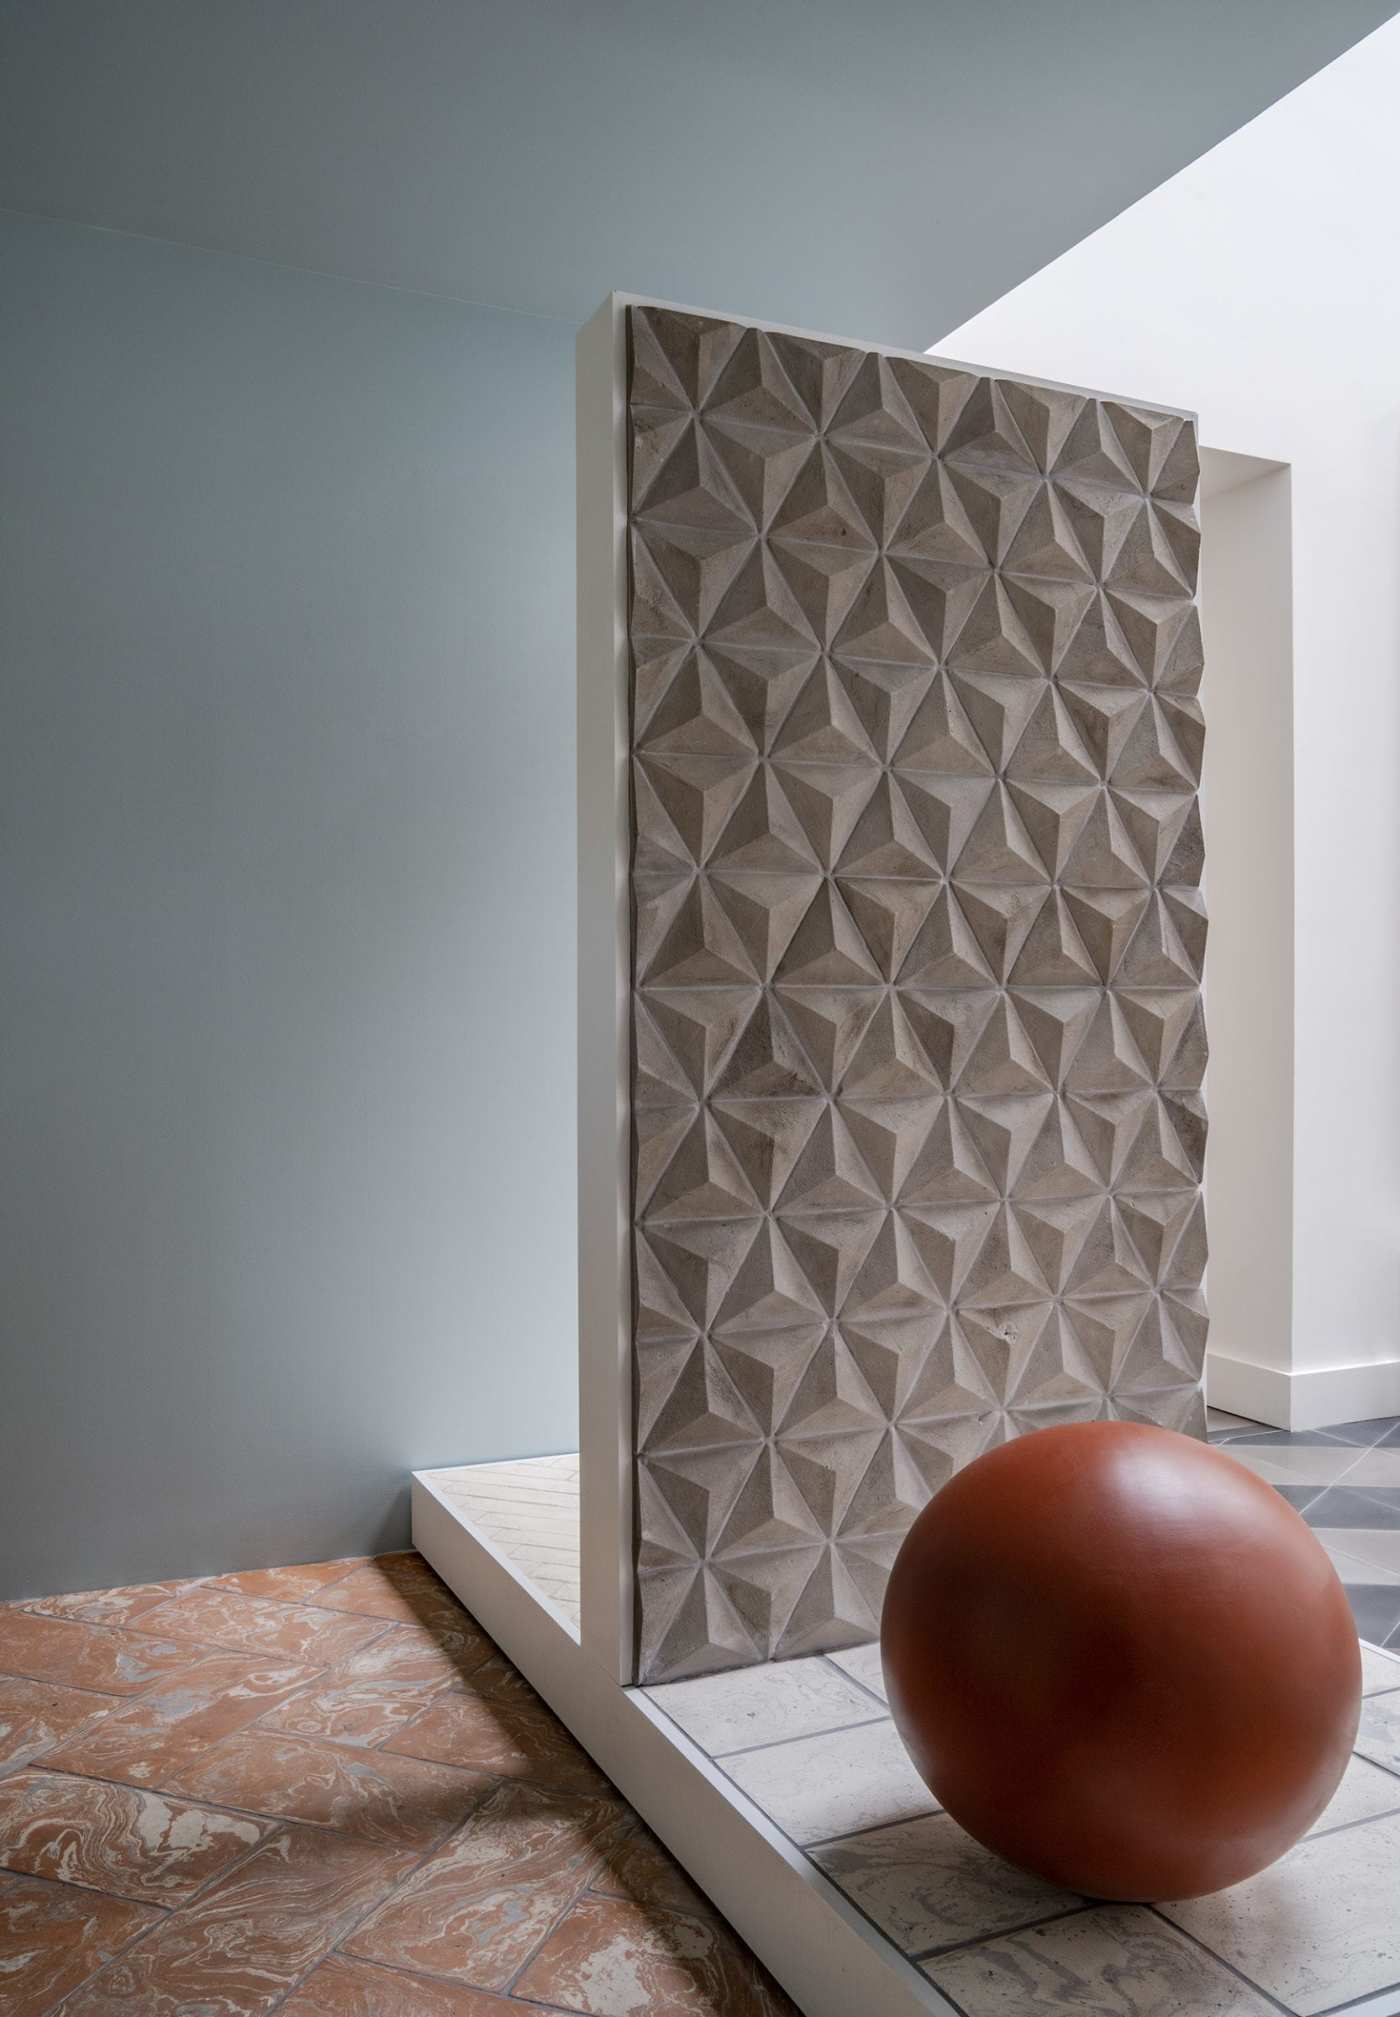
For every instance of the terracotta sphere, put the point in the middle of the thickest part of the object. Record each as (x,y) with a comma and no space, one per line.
(1122,1661)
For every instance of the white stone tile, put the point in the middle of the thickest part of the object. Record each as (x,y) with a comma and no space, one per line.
(1378,1670)
(927,1884)
(757,1705)
(1295,1463)
(1114,1961)
(1365,1790)
(1375,1467)
(1349,1567)
(835,1784)
(1319,1928)
(1377,1546)
(862,1663)
(1379,1735)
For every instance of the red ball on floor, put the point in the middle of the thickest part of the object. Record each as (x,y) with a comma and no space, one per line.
(1122,1661)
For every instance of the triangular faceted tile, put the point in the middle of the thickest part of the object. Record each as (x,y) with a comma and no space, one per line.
(893,1280)
(1099,653)
(680,575)
(827,1470)
(1050,749)
(944,952)
(993,639)
(999,850)
(763,833)
(1004,1061)
(831,1611)
(766,1136)
(698,1025)
(830,1248)
(1188,1063)
(1107,1263)
(986,435)
(996,503)
(1104,717)
(762,686)
(1058,1164)
(1055,1230)
(889,1063)
(946,809)
(950,1390)
(1050,612)
(695,716)
(941,594)
(663,1541)
(827,950)
(948,1168)
(769,1512)
(1151,759)
(661,1317)
(824,726)
(767,1062)
(832,1398)
(1005,1270)
(887,840)
(1045,542)
(828,799)
(685,799)
(690,1626)
(1108,1124)
(940,737)
(1106,920)
(825,582)
(830,1174)
(1158,1022)
(1054,954)
(1001,918)
(701,1180)
(769,1291)
(677,357)
(830,1022)
(820,373)
(703,1409)
(765,910)
(1004,1130)
(684,939)
(764,1584)
(936,527)
(890,913)
(948,1026)
(690,487)
(1045,417)
(1108,1059)
(891,1354)
(1158,954)
(1165,829)
(890,1494)
(948,1240)
(1153,558)
(766,1367)
(1155,1225)
(699,1262)
(758,609)
(890,1135)
(1091,452)
(1000,709)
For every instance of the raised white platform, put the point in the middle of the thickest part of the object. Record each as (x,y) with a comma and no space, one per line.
(784,1792)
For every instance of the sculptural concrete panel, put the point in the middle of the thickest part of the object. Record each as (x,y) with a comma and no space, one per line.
(917,1037)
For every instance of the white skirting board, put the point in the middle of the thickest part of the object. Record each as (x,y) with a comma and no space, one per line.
(811,1938)
(1302,1400)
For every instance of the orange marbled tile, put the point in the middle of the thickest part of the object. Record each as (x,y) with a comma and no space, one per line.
(260,1625)
(149,1742)
(640,1870)
(36,1714)
(345,1710)
(105,1607)
(114,1838)
(79,1655)
(498,1677)
(513,1740)
(415,1655)
(245,1941)
(53,1936)
(609,1957)
(399,1588)
(399,1801)
(340,1988)
(477,1909)
(294,1584)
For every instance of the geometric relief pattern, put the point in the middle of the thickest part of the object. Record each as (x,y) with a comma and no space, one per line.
(917,1039)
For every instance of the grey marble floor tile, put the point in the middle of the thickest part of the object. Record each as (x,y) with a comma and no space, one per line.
(1378,1468)
(1365,1791)
(862,1663)
(760,1705)
(1351,1568)
(1311,1464)
(1379,1735)
(836,1784)
(1379,1671)
(927,1884)
(1113,1961)
(1367,1434)
(1376,1609)
(1380,1546)
(1319,1928)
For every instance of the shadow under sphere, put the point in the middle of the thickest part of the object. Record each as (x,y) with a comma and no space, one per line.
(1122,1661)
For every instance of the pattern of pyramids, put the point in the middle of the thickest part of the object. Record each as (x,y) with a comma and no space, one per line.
(917,942)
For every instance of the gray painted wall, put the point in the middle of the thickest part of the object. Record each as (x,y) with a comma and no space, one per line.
(286,581)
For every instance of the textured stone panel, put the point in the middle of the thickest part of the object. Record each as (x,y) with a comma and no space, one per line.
(917,944)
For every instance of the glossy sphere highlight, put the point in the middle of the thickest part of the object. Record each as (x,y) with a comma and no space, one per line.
(1121,1661)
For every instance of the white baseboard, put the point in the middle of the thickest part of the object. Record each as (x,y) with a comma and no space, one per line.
(1309,1399)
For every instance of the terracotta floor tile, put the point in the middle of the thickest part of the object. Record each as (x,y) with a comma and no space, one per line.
(290,1585)
(260,1625)
(477,1909)
(513,1740)
(641,1871)
(114,1838)
(614,1959)
(241,1946)
(35,1714)
(414,1655)
(52,1937)
(80,1655)
(150,1742)
(106,1607)
(497,1678)
(400,1588)
(404,1802)
(350,1711)
(340,1988)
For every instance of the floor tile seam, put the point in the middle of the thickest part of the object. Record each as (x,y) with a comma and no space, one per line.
(1362,1820)
(429,1689)
(803,1737)
(62,1884)
(874,1828)
(556,1922)
(856,1682)
(100,1696)
(1362,2002)
(1276,2002)
(69,1996)
(939,1953)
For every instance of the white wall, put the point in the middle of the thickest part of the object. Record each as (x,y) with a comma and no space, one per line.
(1261,285)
